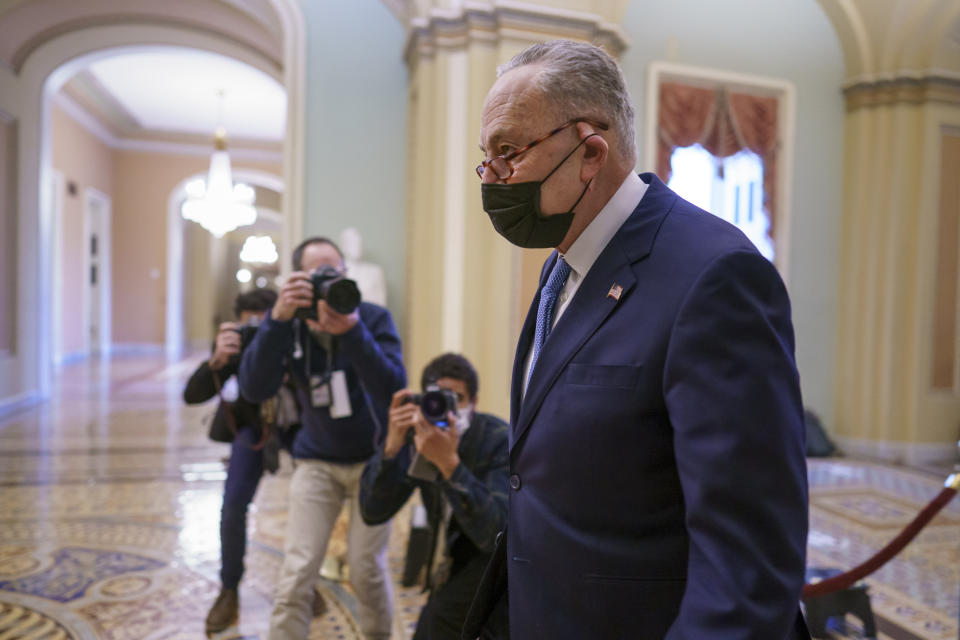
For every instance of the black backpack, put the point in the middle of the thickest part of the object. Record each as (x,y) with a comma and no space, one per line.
(818,444)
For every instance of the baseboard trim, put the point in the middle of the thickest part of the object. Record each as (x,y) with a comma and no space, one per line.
(914,454)
(71,358)
(136,349)
(19,402)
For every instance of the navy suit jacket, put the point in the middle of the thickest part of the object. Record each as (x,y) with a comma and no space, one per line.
(658,478)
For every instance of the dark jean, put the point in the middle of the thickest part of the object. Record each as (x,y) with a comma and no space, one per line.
(243,476)
(443,616)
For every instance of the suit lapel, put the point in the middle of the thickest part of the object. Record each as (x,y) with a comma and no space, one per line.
(590,306)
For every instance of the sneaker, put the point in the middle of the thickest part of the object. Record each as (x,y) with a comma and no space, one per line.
(224,612)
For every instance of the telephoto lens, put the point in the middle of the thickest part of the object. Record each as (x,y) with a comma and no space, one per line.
(342,294)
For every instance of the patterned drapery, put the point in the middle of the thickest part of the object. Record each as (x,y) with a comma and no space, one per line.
(723,122)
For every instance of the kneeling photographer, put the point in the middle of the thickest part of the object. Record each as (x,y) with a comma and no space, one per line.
(459,459)
(344,357)
(237,421)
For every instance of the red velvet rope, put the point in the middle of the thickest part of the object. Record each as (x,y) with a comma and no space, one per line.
(895,546)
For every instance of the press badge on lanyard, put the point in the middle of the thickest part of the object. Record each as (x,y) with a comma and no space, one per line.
(331,392)
(319,391)
(340,400)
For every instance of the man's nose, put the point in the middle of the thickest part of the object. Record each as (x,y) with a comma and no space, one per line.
(489,176)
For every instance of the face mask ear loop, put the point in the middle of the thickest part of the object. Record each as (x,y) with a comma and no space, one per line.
(582,193)
(567,156)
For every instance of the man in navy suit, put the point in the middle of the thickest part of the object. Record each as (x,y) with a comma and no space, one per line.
(658,481)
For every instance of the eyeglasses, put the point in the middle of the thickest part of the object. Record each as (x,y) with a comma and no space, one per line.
(501,164)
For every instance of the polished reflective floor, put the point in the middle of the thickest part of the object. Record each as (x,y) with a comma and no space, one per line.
(110,499)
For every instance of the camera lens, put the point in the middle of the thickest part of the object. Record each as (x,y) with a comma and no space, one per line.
(343,296)
(434,406)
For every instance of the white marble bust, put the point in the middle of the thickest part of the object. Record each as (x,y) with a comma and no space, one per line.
(368,276)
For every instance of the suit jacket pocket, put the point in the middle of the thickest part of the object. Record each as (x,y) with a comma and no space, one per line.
(603,375)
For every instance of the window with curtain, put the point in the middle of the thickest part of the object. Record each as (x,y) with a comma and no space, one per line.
(718,148)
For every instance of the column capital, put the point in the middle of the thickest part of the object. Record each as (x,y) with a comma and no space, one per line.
(436,29)
(886,90)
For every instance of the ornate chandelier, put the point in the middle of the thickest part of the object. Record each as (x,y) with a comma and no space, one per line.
(219,205)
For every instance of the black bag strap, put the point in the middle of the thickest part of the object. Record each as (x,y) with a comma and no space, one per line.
(232,422)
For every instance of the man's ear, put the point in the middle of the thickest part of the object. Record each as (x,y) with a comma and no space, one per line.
(595,150)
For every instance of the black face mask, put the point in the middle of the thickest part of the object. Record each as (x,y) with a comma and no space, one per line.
(514,210)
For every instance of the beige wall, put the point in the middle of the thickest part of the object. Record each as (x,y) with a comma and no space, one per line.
(143,184)
(8,233)
(87,163)
(139,185)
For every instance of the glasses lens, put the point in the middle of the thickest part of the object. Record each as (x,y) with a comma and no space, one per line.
(498,166)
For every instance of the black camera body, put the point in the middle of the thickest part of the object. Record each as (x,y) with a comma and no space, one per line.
(341,293)
(246,331)
(435,403)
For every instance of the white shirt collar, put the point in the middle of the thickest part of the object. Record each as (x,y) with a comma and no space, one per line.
(587,248)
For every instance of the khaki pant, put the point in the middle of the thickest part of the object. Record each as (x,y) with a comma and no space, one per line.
(317,492)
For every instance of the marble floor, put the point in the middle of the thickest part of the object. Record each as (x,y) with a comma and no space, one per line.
(109,509)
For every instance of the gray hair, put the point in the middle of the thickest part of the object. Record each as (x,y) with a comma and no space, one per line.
(580,80)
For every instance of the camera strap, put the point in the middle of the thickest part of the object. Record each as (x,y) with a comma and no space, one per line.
(232,422)
(330,346)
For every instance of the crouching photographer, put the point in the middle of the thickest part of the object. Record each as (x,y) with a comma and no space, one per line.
(344,358)
(237,421)
(458,458)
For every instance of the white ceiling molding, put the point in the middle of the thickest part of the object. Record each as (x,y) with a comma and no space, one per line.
(177,148)
(82,117)
(176,89)
(87,91)
(873,52)
(261,12)
(26,26)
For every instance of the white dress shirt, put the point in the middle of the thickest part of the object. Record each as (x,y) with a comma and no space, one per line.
(592,241)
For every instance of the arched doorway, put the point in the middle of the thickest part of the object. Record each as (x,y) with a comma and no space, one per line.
(26,372)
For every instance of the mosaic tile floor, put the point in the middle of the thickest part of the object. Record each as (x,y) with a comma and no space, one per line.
(109,509)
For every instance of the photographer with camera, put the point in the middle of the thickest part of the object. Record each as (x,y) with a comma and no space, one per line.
(459,459)
(236,421)
(344,356)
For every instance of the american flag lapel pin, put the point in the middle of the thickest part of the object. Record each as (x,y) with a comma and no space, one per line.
(615,291)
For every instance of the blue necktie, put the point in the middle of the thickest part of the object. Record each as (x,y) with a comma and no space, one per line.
(548,298)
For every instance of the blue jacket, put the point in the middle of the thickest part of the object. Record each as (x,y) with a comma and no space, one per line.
(658,479)
(370,356)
